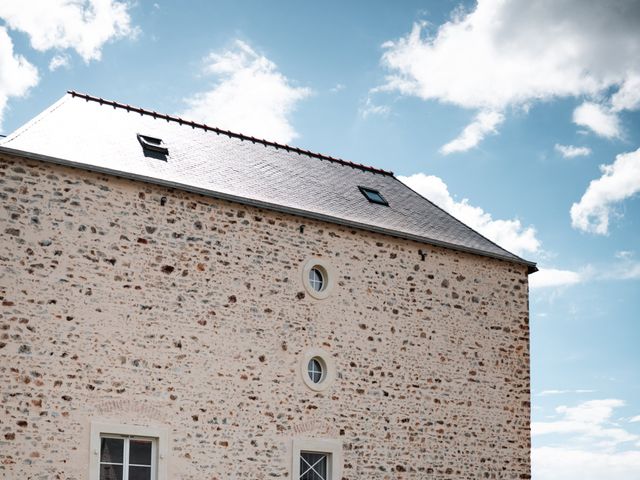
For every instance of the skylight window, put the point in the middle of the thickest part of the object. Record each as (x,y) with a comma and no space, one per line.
(153,144)
(374,196)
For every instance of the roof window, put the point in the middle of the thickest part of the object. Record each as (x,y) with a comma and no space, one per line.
(153,144)
(374,196)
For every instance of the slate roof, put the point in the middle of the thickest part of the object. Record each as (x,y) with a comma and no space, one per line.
(100,135)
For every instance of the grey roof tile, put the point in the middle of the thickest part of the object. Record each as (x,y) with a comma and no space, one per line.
(100,135)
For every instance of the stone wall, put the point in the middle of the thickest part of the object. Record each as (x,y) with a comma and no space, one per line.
(136,303)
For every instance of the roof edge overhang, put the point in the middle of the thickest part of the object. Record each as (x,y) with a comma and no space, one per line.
(531,266)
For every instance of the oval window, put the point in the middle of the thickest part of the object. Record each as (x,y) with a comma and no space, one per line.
(315,370)
(316,279)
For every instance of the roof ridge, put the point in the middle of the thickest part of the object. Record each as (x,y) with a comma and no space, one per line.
(219,131)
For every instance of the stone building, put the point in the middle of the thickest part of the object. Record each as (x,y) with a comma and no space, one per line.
(182,302)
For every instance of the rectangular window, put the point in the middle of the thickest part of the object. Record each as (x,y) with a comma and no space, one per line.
(316,459)
(128,452)
(374,196)
(314,466)
(153,144)
(127,458)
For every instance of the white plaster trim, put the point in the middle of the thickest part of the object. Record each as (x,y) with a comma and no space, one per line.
(329,367)
(329,274)
(331,446)
(161,434)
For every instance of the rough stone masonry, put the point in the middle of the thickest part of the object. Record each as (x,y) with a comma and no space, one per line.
(133,303)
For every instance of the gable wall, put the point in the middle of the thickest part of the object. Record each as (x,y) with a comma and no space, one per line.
(193,315)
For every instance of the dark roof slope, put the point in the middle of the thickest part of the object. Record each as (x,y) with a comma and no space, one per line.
(95,134)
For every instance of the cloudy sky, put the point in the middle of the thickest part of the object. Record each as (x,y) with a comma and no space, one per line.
(521,118)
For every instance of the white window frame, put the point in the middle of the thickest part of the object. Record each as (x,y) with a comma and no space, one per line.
(328,275)
(126,463)
(159,435)
(327,363)
(327,446)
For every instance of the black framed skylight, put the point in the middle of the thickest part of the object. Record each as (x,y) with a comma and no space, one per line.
(153,144)
(374,196)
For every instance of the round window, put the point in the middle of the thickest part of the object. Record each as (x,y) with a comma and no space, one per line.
(318,369)
(316,279)
(315,369)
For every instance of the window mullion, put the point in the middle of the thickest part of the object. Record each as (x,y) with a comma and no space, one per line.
(125,460)
(154,459)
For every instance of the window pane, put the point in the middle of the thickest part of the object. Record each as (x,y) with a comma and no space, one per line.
(140,452)
(375,197)
(316,279)
(315,370)
(110,472)
(313,466)
(139,473)
(111,450)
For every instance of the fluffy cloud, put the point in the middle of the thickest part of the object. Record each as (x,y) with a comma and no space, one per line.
(251,96)
(17,75)
(82,25)
(590,419)
(618,182)
(483,124)
(598,118)
(59,61)
(628,97)
(571,151)
(512,53)
(624,269)
(509,234)
(553,463)
(592,444)
(551,277)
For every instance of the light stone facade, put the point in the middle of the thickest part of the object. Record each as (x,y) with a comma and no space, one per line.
(189,314)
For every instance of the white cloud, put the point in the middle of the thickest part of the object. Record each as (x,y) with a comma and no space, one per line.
(635,419)
(546,393)
(59,61)
(337,88)
(619,181)
(506,54)
(251,96)
(590,447)
(83,25)
(483,124)
(509,234)
(17,75)
(628,97)
(591,420)
(598,118)
(571,151)
(551,277)
(369,108)
(554,463)
(626,270)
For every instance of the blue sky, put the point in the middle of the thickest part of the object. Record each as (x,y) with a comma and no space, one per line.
(521,118)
